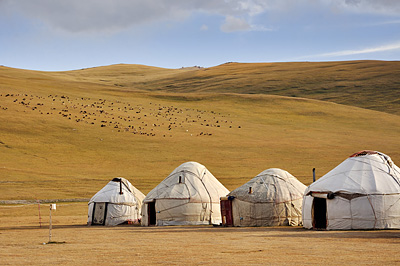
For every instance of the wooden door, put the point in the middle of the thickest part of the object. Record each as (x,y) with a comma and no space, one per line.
(226,212)
(319,213)
(99,213)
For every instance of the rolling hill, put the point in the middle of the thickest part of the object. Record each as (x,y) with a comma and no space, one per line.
(65,134)
(372,85)
(367,84)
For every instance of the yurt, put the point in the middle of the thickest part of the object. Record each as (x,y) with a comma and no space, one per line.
(363,192)
(188,196)
(116,203)
(272,198)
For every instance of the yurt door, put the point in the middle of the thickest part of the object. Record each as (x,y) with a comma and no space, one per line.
(151,212)
(226,212)
(99,213)
(319,211)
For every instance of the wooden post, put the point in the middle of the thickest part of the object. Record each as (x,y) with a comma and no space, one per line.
(40,216)
(313,171)
(50,226)
(52,207)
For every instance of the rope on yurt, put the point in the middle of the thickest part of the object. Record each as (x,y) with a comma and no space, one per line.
(263,177)
(395,203)
(291,199)
(176,206)
(275,209)
(209,195)
(386,162)
(194,188)
(369,200)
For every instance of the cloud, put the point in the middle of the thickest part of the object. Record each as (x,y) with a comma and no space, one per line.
(390,7)
(232,24)
(99,16)
(377,49)
(204,27)
(115,15)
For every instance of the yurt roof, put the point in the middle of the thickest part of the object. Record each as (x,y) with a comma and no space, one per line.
(197,183)
(272,185)
(111,192)
(365,172)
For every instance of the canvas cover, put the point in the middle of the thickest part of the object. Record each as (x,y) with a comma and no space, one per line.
(120,208)
(274,197)
(363,192)
(188,196)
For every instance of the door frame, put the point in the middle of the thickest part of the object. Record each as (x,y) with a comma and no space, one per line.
(105,213)
(319,213)
(226,212)
(151,213)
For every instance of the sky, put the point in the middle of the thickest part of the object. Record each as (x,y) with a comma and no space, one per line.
(53,35)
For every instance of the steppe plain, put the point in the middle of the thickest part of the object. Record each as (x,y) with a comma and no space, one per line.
(64,135)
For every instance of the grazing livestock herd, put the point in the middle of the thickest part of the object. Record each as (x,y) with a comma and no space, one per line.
(146,119)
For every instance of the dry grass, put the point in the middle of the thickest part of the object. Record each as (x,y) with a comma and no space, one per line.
(52,146)
(22,243)
(373,85)
(53,156)
(368,84)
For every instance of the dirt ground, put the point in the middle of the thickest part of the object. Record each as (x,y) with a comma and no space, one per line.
(23,241)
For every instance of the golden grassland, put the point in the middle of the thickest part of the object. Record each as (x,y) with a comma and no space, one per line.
(22,243)
(367,84)
(68,153)
(64,135)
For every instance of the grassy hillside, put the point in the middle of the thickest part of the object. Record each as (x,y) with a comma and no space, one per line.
(66,134)
(368,84)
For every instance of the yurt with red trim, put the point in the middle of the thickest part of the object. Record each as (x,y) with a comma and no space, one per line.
(272,198)
(117,203)
(190,195)
(363,192)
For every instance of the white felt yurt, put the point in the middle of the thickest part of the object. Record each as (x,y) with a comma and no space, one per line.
(116,203)
(363,192)
(188,196)
(274,197)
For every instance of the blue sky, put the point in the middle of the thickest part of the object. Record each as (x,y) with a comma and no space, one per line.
(64,35)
